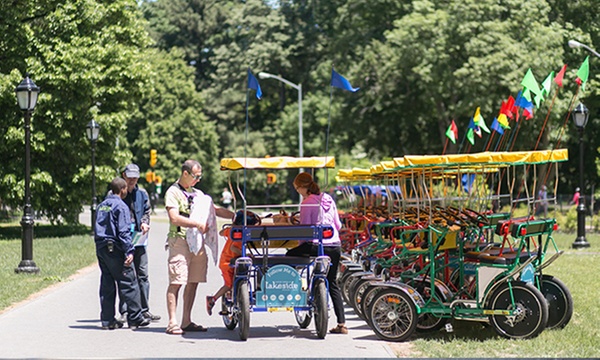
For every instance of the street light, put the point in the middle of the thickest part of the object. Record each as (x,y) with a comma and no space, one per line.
(576,44)
(580,117)
(92,131)
(27,95)
(264,75)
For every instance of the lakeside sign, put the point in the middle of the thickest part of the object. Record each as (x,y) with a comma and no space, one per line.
(281,287)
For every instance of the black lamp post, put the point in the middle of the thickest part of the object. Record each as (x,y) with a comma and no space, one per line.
(92,131)
(580,117)
(27,95)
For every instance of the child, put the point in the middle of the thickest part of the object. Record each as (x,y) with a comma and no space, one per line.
(231,250)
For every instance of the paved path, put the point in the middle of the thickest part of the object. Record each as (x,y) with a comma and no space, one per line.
(64,323)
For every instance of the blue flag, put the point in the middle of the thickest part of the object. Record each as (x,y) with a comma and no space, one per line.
(467,182)
(496,126)
(253,84)
(341,82)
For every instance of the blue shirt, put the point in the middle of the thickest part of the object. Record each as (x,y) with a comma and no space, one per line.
(113,222)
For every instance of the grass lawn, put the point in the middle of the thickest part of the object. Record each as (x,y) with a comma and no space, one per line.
(58,255)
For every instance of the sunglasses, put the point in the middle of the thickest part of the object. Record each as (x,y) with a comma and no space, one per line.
(196,177)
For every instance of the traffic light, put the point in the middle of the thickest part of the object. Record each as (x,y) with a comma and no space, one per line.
(150,176)
(152,157)
(271,178)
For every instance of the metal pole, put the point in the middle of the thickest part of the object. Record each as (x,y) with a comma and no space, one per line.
(27,265)
(581,241)
(94,201)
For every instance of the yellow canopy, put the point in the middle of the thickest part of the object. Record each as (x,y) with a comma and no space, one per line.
(485,158)
(277,162)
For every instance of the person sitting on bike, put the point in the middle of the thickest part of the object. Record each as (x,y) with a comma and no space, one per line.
(320,208)
(231,250)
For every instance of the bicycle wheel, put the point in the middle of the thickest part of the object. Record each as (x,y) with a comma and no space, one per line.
(320,308)
(356,296)
(229,320)
(303,318)
(560,302)
(393,315)
(243,305)
(366,300)
(531,314)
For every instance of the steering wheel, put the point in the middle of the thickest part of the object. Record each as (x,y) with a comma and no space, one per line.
(252,218)
(295,218)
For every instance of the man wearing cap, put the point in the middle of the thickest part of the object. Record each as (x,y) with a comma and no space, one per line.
(139,205)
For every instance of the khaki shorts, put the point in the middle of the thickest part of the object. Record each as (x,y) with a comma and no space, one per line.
(184,266)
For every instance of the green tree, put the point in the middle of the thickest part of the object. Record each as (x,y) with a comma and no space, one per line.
(87,57)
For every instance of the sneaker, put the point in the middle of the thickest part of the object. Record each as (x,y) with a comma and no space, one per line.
(151,316)
(142,323)
(340,329)
(123,318)
(210,303)
(111,325)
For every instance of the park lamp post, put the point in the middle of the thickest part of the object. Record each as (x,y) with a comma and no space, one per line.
(264,75)
(93,131)
(580,118)
(27,95)
(576,44)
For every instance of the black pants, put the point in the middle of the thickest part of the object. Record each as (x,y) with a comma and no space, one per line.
(140,261)
(114,271)
(334,253)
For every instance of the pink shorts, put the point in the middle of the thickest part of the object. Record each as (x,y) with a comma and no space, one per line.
(184,266)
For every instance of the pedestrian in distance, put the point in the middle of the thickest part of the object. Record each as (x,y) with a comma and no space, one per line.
(226,198)
(542,206)
(187,265)
(319,208)
(576,197)
(114,251)
(138,202)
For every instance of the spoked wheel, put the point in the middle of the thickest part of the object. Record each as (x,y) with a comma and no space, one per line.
(357,295)
(243,308)
(366,300)
(531,310)
(560,302)
(303,318)
(393,315)
(320,308)
(229,320)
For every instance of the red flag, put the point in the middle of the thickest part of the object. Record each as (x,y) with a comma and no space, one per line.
(558,79)
(528,115)
(509,108)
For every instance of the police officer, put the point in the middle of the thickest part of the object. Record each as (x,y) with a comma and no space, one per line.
(114,250)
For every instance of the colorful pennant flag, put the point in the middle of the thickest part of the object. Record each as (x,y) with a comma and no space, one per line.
(480,122)
(503,121)
(452,132)
(561,74)
(530,83)
(253,84)
(547,84)
(474,127)
(497,127)
(341,82)
(583,73)
(470,136)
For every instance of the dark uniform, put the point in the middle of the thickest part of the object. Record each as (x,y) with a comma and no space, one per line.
(113,243)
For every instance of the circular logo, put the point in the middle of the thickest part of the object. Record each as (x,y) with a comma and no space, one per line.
(281,297)
(289,297)
(297,297)
(273,297)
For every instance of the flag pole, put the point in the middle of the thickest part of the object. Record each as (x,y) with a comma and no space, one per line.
(445,145)
(245,146)
(327,133)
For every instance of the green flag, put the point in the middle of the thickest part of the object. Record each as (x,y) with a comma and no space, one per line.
(471,136)
(547,84)
(530,83)
(583,73)
(479,121)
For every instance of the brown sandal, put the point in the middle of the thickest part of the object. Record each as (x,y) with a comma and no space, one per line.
(340,329)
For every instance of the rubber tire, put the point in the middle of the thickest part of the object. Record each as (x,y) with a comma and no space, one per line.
(393,315)
(230,320)
(356,295)
(534,310)
(320,308)
(243,304)
(366,301)
(303,318)
(560,302)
